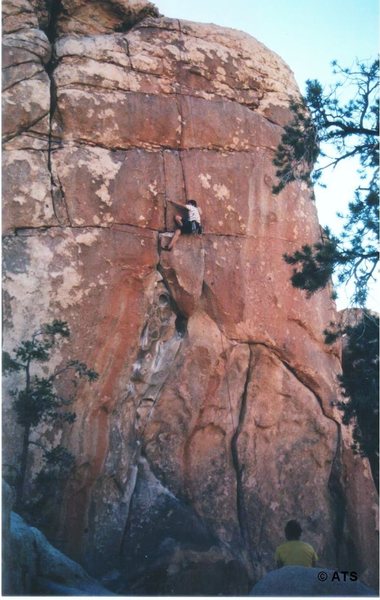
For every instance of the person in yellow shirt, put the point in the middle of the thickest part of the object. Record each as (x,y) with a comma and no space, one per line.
(293,551)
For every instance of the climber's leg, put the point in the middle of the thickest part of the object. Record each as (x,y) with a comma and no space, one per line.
(174,239)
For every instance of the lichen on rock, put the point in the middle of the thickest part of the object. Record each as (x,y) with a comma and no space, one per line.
(212,422)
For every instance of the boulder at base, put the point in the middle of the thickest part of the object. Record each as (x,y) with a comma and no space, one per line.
(303,581)
(31,565)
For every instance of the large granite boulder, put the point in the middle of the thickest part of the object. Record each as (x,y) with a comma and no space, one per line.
(215,385)
(32,566)
(302,581)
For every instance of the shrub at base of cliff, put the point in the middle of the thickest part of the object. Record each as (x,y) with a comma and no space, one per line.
(360,383)
(36,401)
(359,330)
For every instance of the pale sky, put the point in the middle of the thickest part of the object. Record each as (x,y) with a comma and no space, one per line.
(308,35)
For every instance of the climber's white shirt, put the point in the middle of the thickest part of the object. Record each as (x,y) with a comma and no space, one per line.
(193,213)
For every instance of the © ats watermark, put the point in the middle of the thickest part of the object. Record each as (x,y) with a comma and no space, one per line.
(338,576)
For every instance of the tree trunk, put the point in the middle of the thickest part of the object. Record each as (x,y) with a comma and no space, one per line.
(23,467)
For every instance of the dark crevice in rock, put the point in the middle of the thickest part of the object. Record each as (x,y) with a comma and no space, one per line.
(338,500)
(239,468)
(113,227)
(21,130)
(130,20)
(210,299)
(105,61)
(150,369)
(18,64)
(127,52)
(166,225)
(28,231)
(30,48)
(18,13)
(183,174)
(150,24)
(151,147)
(271,121)
(57,193)
(12,85)
(181,325)
(186,93)
(29,148)
(60,207)
(134,475)
(54,9)
(299,376)
(148,379)
(181,320)
(12,31)
(33,135)
(228,235)
(181,145)
(335,485)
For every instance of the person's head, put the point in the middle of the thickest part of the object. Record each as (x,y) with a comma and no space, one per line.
(192,202)
(293,530)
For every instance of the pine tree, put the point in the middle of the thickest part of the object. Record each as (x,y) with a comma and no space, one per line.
(360,382)
(321,125)
(37,401)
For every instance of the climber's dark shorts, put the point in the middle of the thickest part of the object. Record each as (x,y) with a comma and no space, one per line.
(190,227)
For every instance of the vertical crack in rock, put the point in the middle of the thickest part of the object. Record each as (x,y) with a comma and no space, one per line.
(335,486)
(160,343)
(187,197)
(128,53)
(22,129)
(181,150)
(338,498)
(299,378)
(178,96)
(57,193)
(239,468)
(158,346)
(166,225)
(128,493)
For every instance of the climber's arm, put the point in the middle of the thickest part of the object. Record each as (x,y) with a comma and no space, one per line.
(177,204)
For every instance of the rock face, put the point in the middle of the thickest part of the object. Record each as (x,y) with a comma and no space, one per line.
(212,422)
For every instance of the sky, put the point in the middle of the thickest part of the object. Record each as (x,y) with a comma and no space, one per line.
(308,35)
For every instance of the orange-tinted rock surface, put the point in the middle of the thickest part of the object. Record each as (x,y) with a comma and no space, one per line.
(213,421)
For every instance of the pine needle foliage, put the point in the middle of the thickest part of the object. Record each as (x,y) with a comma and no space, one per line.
(37,401)
(360,385)
(327,126)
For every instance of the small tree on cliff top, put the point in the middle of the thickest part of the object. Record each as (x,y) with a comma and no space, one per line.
(37,401)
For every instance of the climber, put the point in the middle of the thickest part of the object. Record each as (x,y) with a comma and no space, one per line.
(293,551)
(189,224)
